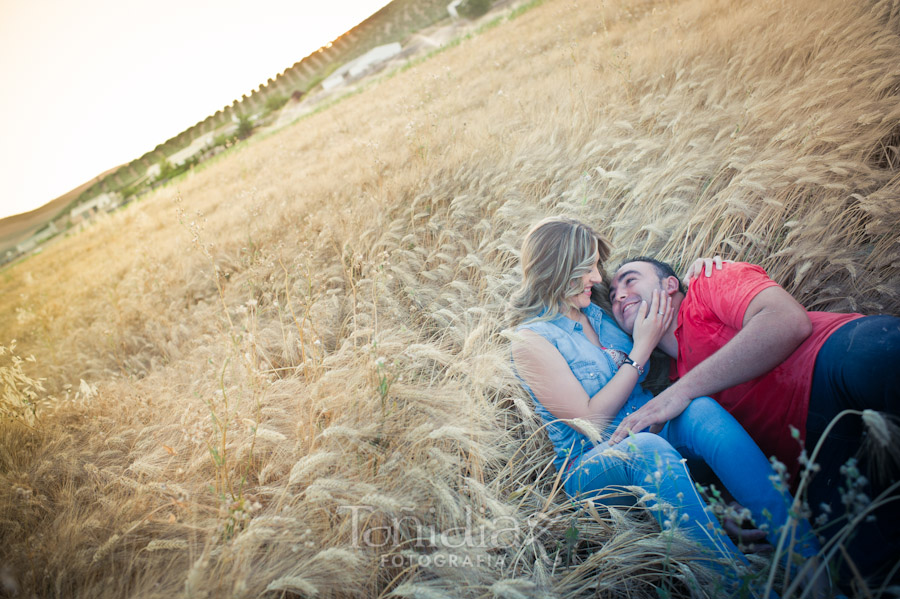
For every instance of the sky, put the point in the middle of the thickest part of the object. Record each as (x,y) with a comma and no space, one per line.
(91,84)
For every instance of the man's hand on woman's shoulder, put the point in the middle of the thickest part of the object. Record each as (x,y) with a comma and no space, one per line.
(703,265)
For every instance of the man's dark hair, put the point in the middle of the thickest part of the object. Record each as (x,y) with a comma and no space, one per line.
(663,269)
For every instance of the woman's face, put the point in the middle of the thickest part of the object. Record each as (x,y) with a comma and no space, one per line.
(588,280)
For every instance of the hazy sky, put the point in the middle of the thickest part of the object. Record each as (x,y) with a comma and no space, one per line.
(91,84)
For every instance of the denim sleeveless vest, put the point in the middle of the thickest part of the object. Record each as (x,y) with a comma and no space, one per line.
(593,368)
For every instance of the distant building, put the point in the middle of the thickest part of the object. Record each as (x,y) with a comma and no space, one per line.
(359,66)
(196,147)
(451,8)
(26,246)
(89,209)
(46,233)
(39,237)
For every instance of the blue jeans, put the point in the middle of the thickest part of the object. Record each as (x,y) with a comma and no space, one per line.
(857,368)
(656,463)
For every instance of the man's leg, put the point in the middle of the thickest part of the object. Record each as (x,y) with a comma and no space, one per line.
(858,368)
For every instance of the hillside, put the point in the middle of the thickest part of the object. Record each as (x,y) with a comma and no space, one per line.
(287,374)
(17,228)
(394,22)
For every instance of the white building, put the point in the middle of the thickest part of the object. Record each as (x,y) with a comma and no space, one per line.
(196,147)
(451,8)
(41,236)
(358,66)
(104,201)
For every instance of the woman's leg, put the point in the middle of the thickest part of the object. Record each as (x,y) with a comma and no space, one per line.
(653,464)
(706,430)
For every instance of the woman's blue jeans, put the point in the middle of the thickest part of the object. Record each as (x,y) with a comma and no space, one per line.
(657,463)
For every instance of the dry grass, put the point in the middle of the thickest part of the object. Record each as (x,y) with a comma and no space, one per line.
(317,320)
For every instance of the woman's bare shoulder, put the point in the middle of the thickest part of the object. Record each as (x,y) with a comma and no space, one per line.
(529,345)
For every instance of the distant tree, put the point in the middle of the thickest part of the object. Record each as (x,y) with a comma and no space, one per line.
(472,9)
(273,103)
(245,127)
(165,170)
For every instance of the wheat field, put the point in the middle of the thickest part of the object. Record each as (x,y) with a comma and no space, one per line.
(287,373)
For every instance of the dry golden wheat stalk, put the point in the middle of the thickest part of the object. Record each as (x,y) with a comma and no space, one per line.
(317,321)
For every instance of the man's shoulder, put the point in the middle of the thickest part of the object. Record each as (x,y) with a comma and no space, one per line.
(733,276)
(731,272)
(726,294)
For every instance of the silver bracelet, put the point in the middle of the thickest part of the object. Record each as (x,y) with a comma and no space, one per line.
(631,362)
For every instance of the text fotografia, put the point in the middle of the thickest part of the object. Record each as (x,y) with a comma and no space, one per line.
(496,533)
(443,560)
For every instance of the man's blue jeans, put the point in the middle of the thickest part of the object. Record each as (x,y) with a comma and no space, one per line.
(858,368)
(655,462)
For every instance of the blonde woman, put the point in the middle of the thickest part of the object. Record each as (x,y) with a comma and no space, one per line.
(577,364)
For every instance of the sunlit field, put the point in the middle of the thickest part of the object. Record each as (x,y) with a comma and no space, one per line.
(287,373)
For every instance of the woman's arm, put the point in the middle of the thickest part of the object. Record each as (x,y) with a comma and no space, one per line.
(553,384)
(551,380)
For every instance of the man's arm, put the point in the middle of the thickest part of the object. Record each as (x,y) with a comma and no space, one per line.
(774,325)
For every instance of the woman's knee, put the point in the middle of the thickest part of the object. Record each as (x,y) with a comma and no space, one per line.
(643,442)
(705,416)
(703,408)
(595,471)
(650,450)
(653,463)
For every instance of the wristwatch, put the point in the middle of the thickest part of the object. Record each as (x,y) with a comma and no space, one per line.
(639,368)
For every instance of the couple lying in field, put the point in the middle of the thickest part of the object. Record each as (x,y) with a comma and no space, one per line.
(779,376)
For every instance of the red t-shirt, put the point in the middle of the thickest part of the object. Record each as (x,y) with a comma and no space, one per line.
(710,315)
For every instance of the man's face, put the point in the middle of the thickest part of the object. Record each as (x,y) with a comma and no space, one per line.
(634,282)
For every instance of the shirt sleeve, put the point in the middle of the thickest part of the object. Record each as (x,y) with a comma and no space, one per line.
(728,292)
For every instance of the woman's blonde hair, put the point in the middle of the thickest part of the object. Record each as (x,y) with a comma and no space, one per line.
(556,253)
